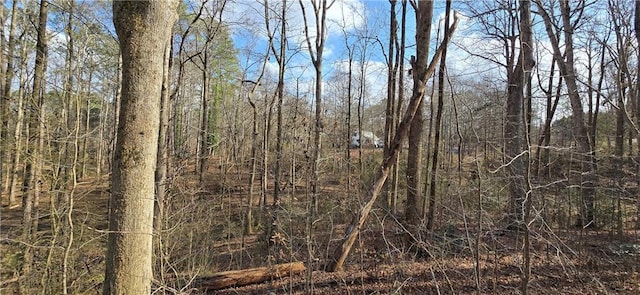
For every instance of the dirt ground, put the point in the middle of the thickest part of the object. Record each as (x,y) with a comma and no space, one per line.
(603,267)
(570,261)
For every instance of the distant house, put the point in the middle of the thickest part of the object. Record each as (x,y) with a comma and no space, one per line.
(368,139)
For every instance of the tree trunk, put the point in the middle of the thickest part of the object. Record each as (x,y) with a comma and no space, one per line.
(87,127)
(116,117)
(143,28)
(315,52)
(422,73)
(17,132)
(622,83)
(581,134)
(281,58)
(163,150)
(391,93)
(348,119)
(541,163)
(33,177)
(254,160)
(414,155)
(437,126)
(243,277)
(514,137)
(5,91)
(636,25)
(523,190)
(204,120)
(70,118)
(399,101)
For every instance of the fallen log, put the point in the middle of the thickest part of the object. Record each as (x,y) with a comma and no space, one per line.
(243,277)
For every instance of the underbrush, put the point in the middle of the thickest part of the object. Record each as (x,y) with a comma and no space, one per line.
(468,251)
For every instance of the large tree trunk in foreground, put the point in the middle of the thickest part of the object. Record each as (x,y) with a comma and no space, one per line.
(243,277)
(414,154)
(422,72)
(143,29)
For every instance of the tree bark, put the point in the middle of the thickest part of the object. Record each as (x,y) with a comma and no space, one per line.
(243,277)
(143,28)
(412,213)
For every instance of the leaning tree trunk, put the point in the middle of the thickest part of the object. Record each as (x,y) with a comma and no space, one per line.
(423,72)
(143,28)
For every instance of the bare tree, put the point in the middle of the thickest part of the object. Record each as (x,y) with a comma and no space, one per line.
(32,181)
(566,66)
(4,109)
(422,71)
(518,77)
(541,165)
(437,127)
(5,90)
(392,74)
(143,28)
(212,27)
(280,56)
(520,186)
(320,8)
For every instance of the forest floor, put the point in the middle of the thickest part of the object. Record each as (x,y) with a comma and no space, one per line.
(563,261)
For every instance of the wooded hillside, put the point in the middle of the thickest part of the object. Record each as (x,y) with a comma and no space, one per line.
(500,147)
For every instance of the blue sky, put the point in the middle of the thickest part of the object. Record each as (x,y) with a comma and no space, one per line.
(352,18)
